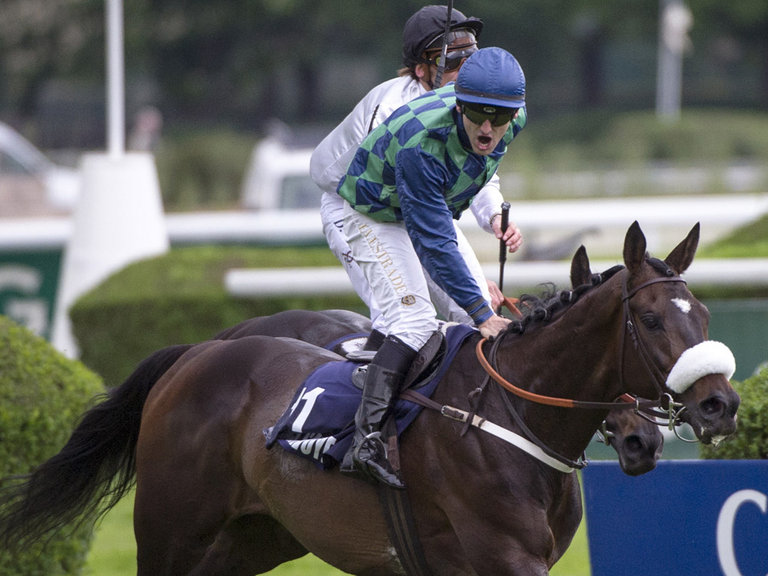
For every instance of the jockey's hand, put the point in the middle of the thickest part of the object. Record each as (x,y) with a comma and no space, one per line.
(497,298)
(513,238)
(491,327)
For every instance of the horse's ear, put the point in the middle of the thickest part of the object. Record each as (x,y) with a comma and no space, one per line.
(580,271)
(634,248)
(682,256)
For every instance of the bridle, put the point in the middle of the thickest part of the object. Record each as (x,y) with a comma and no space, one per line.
(653,370)
(663,406)
(666,408)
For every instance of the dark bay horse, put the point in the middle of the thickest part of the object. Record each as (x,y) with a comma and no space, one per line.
(211,499)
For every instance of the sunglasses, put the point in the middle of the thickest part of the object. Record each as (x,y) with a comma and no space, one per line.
(453,59)
(478,114)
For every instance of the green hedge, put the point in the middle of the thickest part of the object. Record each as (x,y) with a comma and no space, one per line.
(750,442)
(179,298)
(42,394)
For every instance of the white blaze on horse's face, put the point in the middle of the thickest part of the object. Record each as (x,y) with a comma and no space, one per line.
(682,304)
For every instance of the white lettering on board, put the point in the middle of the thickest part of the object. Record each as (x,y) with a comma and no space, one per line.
(725,523)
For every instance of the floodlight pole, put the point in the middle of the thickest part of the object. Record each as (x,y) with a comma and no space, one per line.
(115,79)
(675,19)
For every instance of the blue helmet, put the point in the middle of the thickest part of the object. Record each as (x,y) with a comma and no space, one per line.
(492,77)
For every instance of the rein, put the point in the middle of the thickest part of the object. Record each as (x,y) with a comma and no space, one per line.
(627,402)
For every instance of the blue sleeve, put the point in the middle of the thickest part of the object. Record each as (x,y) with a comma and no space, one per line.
(421,180)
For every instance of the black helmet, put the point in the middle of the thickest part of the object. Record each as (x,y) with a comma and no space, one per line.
(427,26)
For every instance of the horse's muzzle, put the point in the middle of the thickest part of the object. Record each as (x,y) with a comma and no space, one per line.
(713,417)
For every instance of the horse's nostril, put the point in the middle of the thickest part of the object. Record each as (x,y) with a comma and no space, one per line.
(712,407)
(633,443)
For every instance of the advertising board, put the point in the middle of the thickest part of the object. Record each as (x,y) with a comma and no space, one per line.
(687,518)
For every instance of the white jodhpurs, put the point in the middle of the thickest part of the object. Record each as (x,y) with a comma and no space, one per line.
(331,215)
(389,262)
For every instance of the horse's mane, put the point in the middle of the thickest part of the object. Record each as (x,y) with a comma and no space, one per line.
(542,308)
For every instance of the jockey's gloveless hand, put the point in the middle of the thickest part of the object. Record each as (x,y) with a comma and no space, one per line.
(513,238)
(491,327)
(497,298)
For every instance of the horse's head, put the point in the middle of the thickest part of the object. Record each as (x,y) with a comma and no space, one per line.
(637,441)
(665,349)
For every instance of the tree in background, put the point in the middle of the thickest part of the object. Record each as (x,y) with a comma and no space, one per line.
(736,35)
(243,62)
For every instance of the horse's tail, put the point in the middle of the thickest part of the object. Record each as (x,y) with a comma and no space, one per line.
(94,469)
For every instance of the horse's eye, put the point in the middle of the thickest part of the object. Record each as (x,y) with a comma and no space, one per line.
(651,321)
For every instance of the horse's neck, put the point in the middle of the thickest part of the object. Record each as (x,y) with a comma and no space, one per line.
(574,357)
(576,354)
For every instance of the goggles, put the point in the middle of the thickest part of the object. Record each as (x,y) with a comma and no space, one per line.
(454,58)
(479,113)
(463,35)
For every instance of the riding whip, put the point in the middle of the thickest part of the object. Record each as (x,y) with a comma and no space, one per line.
(502,248)
(444,52)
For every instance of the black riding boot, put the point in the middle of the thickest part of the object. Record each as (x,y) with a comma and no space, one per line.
(382,384)
(374,341)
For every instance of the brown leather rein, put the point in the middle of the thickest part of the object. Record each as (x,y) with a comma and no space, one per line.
(625,401)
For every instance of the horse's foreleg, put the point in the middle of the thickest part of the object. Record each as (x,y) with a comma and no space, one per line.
(252,544)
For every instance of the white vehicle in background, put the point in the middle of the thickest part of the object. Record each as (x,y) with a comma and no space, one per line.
(30,183)
(277,178)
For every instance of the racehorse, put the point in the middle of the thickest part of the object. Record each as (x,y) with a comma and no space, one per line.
(212,499)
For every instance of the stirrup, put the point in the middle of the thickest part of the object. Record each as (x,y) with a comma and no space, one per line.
(371,440)
(377,467)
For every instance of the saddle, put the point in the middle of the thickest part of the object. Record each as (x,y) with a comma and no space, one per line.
(320,420)
(425,364)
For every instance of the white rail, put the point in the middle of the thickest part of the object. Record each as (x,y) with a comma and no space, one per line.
(244,282)
(715,213)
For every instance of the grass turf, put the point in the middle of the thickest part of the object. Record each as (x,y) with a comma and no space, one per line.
(113,552)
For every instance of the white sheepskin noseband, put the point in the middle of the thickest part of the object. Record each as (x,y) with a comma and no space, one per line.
(708,357)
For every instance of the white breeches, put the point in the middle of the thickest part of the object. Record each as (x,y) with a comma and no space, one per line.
(332,216)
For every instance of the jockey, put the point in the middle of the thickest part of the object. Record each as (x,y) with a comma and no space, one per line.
(423,36)
(409,180)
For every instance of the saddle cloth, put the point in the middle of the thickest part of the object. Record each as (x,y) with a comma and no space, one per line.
(320,421)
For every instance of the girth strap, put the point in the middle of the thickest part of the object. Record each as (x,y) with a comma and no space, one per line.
(397,512)
(402,530)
